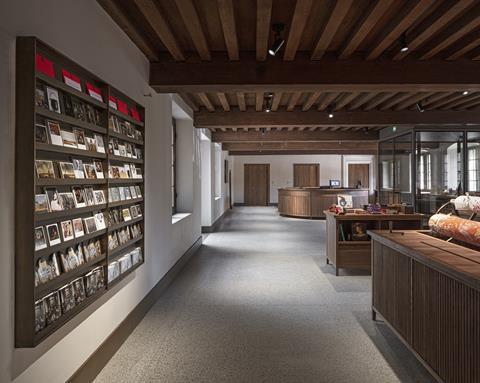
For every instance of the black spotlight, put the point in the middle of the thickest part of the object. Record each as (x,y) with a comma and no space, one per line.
(330,111)
(403,43)
(278,40)
(267,102)
(420,107)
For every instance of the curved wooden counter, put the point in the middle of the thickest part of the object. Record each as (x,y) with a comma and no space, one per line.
(311,202)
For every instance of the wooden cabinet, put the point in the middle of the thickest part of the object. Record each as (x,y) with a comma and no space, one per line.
(428,292)
(345,253)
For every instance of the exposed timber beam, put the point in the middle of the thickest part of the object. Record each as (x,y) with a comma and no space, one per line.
(294,145)
(294,135)
(304,75)
(342,118)
(264,15)
(295,152)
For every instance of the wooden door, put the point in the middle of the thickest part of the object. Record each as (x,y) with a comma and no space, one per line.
(256,181)
(306,175)
(358,172)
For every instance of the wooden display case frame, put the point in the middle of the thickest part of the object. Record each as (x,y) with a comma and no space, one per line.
(27,184)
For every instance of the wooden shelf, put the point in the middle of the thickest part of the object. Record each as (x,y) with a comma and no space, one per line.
(69,151)
(69,182)
(115,253)
(123,224)
(65,88)
(69,120)
(125,202)
(120,136)
(354,243)
(54,284)
(126,117)
(64,245)
(124,159)
(54,216)
(41,335)
(122,181)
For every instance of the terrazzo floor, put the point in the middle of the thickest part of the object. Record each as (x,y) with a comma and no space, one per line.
(257,303)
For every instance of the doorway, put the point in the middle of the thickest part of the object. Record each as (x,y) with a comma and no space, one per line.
(306,175)
(359,172)
(256,181)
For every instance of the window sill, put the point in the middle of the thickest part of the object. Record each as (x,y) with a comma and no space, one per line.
(179,216)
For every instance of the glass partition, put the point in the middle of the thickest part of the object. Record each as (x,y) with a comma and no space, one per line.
(403,168)
(385,171)
(439,169)
(473,162)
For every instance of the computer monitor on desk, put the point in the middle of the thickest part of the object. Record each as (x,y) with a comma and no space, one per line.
(334,184)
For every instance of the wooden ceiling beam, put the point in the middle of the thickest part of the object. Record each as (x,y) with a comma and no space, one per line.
(313,76)
(227,19)
(461,102)
(264,15)
(297,152)
(189,101)
(206,102)
(299,21)
(469,43)
(326,101)
(123,21)
(192,23)
(345,100)
(361,100)
(342,118)
(451,34)
(364,26)
(445,100)
(394,100)
(297,134)
(469,105)
(160,25)
(293,145)
(410,13)
(312,99)
(277,97)
(335,19)
(241,102)
(292,103)
(223,100)
(433,24)
(412,100)
(437,97)
(377,100)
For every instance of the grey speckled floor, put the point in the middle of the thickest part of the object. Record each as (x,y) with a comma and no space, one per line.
(258,303)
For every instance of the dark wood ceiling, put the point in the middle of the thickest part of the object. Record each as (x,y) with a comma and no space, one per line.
(214,54)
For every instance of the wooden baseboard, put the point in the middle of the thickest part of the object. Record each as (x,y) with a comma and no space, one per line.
(213,228)
(95,363)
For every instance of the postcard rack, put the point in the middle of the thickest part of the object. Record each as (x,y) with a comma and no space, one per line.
(79,206)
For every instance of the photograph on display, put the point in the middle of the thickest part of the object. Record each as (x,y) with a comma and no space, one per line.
(40,320)
(126,215)
(80,254)
(53,100)
(54,133)
(80,138)
(90,225)
(41,203)
(44,169)
(99,143)
(67,170)
(53,234)
(98,169)
(127,193)
(68,202)
(69,140)
(78,290)
(79,196)
(44,271)
(99,221)
(91,144)
(78,110)
(139,191)
(41,135)
(54,265)
(40,96)
(90,284)
(78,227)
(69,259)
(67,230)
(113,271)
(89,196)
(40,239)
(67,298)
(78,168)
(53,310)
(99,197)
(133,192)
(90,171)
(54,199)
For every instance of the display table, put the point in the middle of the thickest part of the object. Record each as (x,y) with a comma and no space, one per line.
(428,292)
(311,202)
(345,250)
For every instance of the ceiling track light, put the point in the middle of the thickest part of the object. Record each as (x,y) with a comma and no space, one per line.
(420,107)
(278,41)
(267,102)
(330,112)
(403,43)
(465,92)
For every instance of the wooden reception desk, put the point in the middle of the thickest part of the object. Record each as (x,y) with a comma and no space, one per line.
(428,292)
(311,202)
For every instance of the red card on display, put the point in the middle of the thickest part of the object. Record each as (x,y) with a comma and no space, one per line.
(44,65)
(71,80)
(122,107)
(135,115)
(94,92)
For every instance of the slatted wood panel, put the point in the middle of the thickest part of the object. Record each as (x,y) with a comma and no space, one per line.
(306,175)
(358,172)
(446,327)
(256,184)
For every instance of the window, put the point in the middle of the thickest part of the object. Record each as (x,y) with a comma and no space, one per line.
(173,160)
(425,171)
(218,171)
(445,171)
(473,169)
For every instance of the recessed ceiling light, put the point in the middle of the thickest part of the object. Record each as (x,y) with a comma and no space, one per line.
(465,92)
(330,115)
(403,43)
(394,128)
